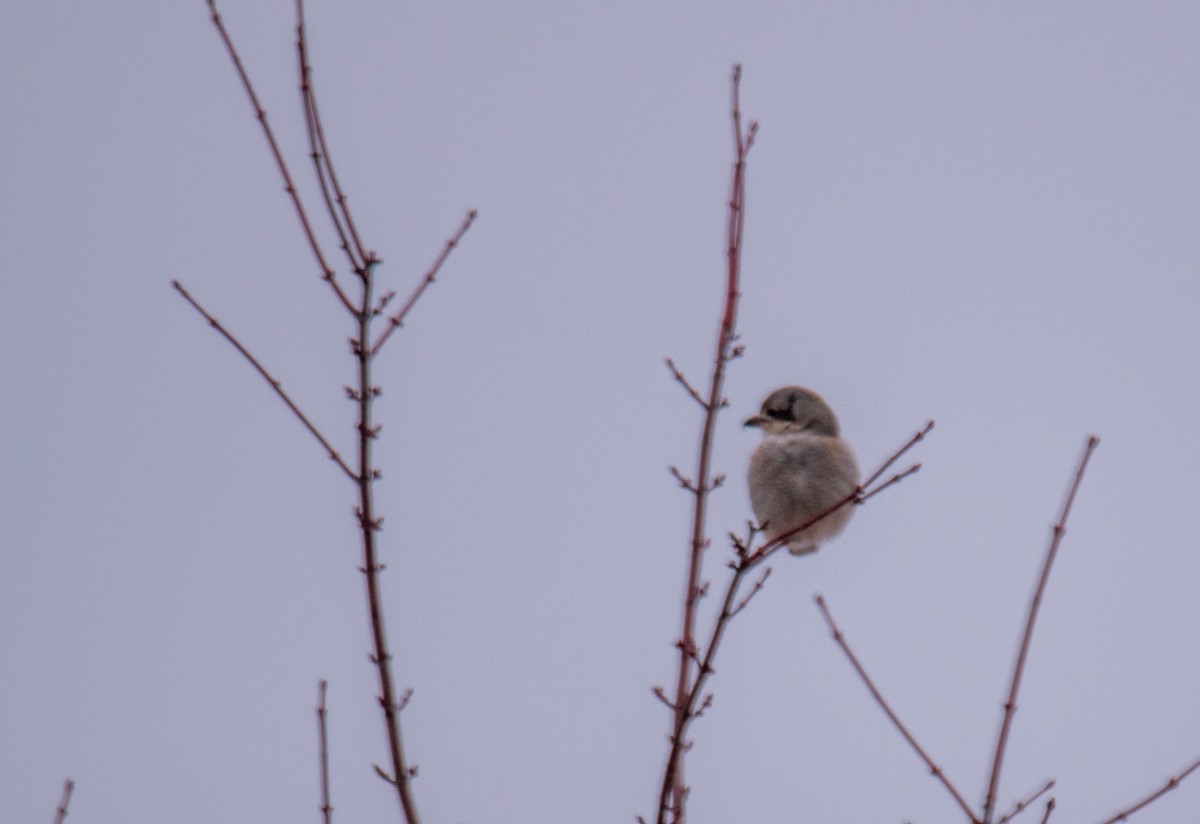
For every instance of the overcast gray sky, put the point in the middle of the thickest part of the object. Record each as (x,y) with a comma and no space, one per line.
(982,213)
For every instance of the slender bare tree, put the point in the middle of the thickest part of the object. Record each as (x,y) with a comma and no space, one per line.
(365,304)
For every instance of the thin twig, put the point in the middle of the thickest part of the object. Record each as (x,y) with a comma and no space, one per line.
(683,480)
(1024,803)
(1172,782)
(895,719)
(687,386)
(269,378)
(754,590)
(1049,809)
(327,272)
(326,805)
(60,813)
(913,441)
(331,193)
(672,797)
(397,319)
(1010,704)
(895,479)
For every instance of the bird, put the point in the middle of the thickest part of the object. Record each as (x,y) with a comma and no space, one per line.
(801,469)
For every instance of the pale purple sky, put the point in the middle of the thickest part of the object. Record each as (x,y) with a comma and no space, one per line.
(983,213)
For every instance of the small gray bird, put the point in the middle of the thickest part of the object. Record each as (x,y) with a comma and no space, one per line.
(800,469)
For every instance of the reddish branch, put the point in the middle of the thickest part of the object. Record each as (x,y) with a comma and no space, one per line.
(1010,704)
(60,813)
(1172,782)
(937,771)
(370,524)
(1024,803)
(323,737)
(397,320)
(672,796)
(364,310)
(336,205)
(269,378)
(261,113)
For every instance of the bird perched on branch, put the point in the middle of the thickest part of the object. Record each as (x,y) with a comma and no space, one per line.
(801,469)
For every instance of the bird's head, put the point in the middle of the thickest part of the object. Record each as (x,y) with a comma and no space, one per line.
(794,409)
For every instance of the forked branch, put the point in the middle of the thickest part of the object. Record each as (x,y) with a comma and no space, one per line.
(336,204)
(1024,803)
(260,113)
(672,798)
(364,345)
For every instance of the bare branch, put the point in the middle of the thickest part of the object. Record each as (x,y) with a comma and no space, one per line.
(661,694)
(1023,804)
(326,806)
(1049,809)
(1172,782)
(397,319)
(913,441)
(335,200)
(895,479)
(684,481)
(60,813)
(327,272)
(1010,704)
(402,773)
(758,585)
(269,378)
(895,719)
(672,798)
(682,381)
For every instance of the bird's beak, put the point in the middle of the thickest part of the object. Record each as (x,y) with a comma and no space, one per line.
(757,420)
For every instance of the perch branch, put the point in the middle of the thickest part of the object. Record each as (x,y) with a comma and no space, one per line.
(863,493)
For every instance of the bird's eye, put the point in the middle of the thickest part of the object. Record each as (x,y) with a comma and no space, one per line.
(778,414)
